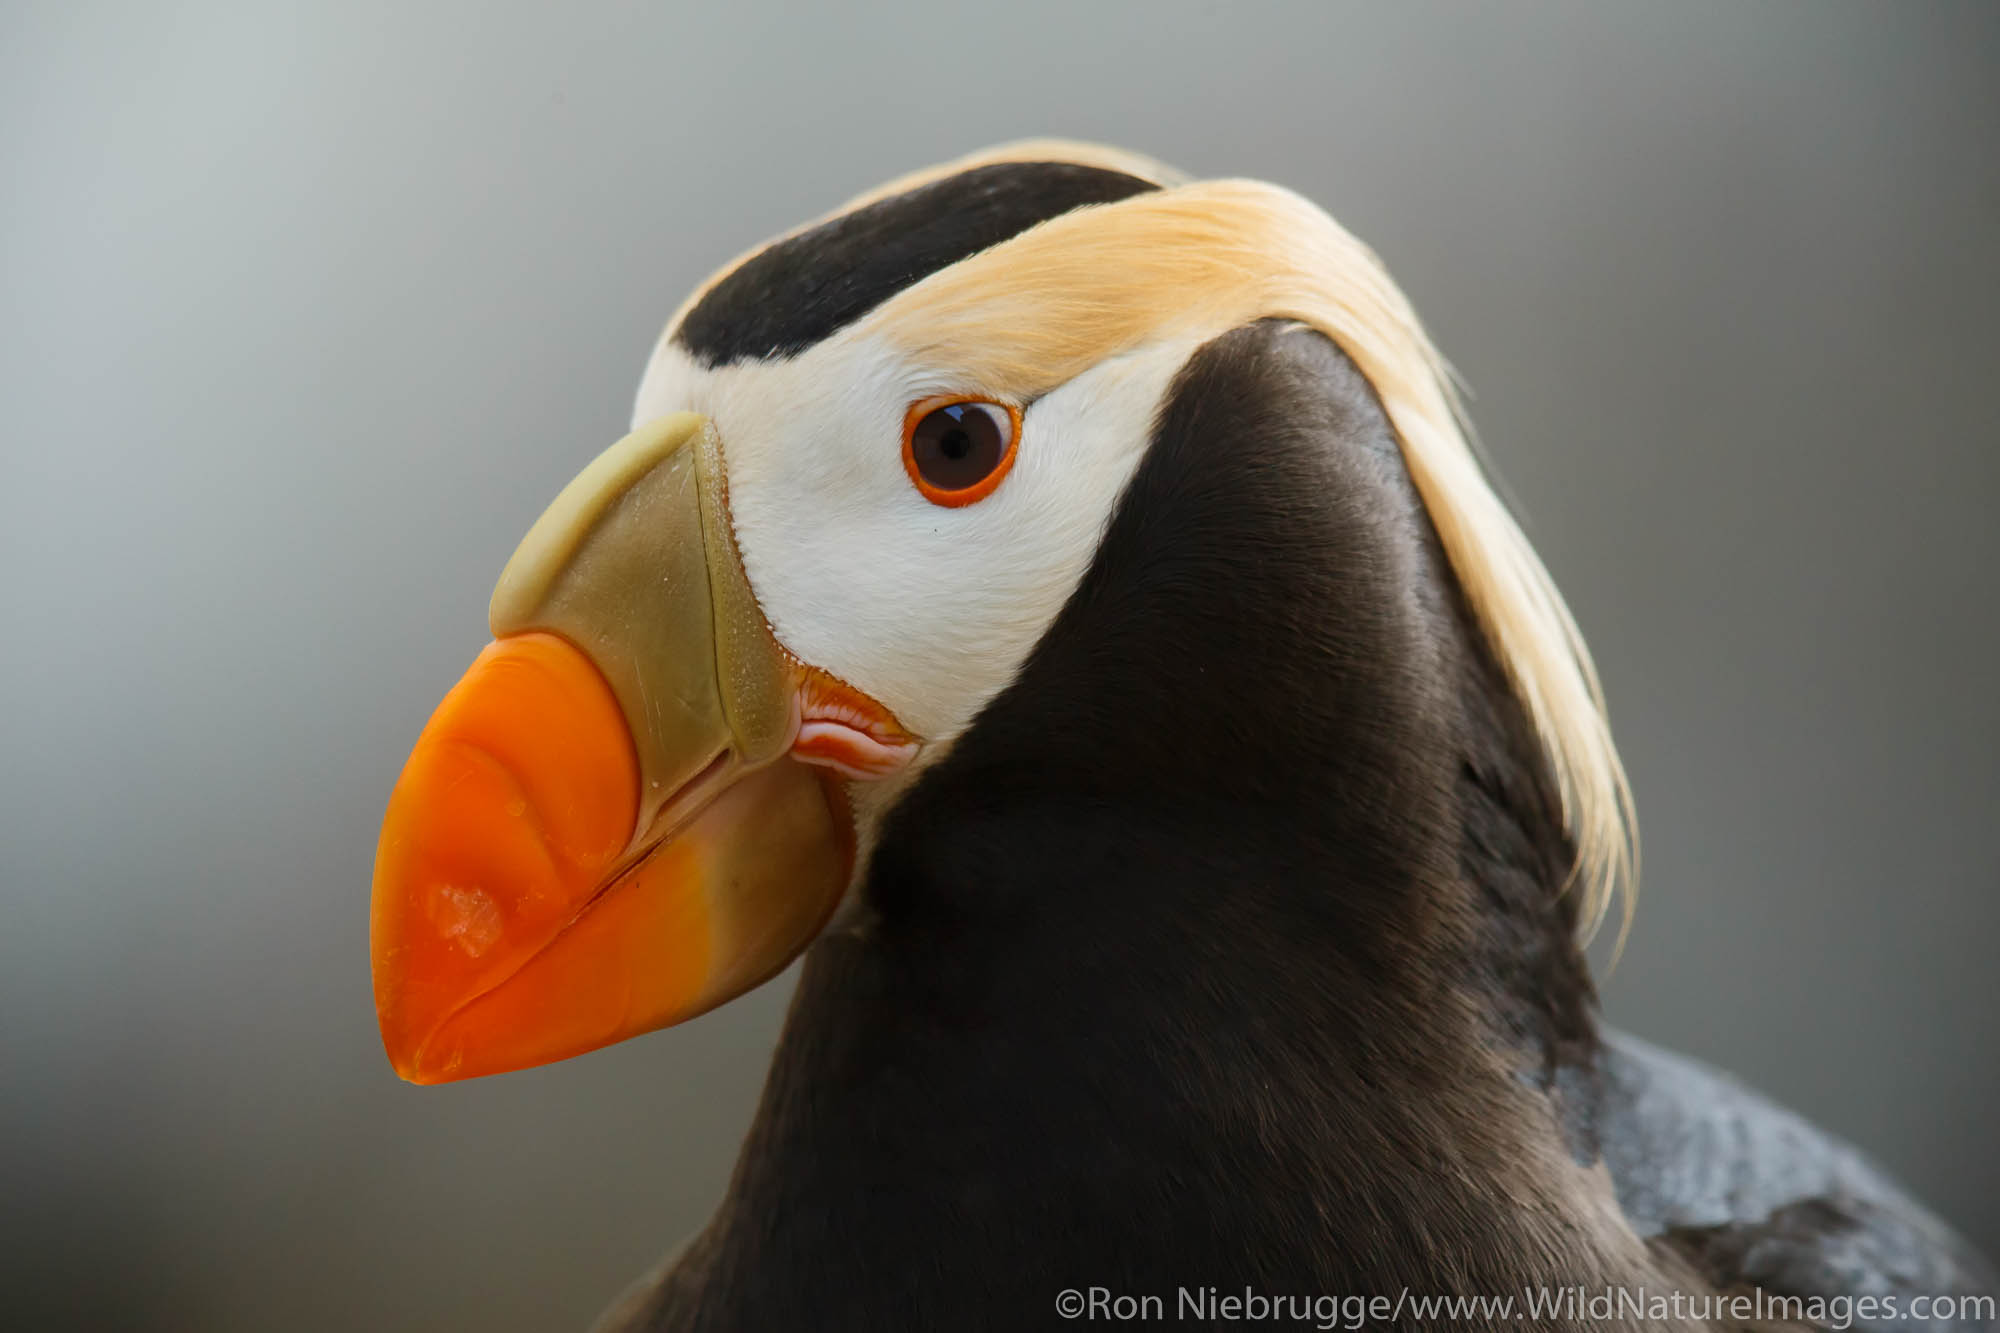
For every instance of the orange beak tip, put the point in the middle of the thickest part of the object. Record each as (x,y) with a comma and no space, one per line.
(512,925)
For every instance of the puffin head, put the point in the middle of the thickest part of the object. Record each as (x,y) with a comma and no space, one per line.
(872,462)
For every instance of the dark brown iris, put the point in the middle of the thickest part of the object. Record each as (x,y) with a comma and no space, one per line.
(956,447)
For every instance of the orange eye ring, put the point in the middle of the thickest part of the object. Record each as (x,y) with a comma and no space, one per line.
(956,497)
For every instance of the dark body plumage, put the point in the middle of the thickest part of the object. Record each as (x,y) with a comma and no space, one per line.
(1227,949)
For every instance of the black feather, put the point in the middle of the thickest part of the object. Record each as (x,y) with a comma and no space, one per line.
(809,286)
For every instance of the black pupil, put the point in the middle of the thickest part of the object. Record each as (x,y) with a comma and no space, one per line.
(958,446)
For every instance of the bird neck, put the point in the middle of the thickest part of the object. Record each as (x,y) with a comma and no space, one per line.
(1227,946)
(1079,1042)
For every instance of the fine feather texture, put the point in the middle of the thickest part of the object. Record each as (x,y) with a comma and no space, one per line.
(1220,950)
(1177,966)
(1203,258)
(1185,263)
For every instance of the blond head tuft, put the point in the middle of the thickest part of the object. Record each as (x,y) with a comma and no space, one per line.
(1197,259)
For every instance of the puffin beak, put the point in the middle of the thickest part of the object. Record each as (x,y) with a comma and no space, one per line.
(611,824)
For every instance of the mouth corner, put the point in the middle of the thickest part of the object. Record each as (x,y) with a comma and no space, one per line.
(842,729)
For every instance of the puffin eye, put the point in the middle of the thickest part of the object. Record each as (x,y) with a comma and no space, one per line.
(957,449)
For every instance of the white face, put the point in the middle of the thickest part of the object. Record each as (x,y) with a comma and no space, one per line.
(930,610)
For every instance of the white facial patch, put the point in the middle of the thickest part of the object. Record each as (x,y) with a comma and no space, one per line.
(929,610)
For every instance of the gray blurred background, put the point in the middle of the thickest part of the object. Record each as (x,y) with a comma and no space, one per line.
(311,307)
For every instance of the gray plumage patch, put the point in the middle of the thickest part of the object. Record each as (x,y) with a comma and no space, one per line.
(1754,1196)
